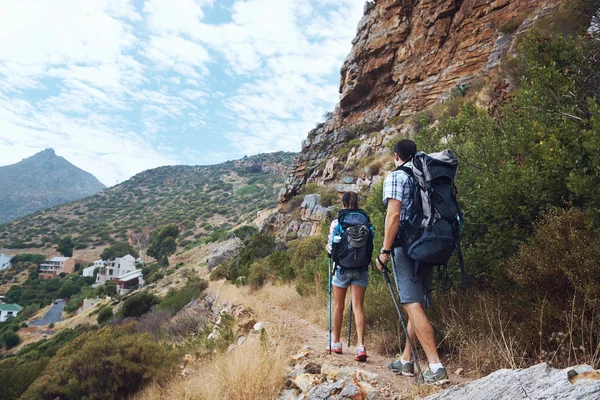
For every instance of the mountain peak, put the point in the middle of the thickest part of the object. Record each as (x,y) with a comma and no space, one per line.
(41,181)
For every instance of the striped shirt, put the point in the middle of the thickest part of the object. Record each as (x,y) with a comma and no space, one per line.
(397,185)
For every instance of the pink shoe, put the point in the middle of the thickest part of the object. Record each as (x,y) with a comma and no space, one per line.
(361,354)
(335,348)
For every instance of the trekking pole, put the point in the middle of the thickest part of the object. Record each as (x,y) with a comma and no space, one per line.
(410,343)
(329,298)
(350,324)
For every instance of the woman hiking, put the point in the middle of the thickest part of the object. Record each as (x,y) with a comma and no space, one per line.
(350,245)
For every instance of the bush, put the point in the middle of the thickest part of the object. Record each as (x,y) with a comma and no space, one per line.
(10,339)
(279,264)
(109,364)
(175,300)
(561,258)
(104,314)
(259,273)
(138,305)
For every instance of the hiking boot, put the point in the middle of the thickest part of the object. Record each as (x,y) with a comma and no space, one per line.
(336,347)
(361,354)
(407,369)
(436,378)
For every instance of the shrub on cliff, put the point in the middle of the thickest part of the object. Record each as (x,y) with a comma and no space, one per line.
(111,363)
(534,148)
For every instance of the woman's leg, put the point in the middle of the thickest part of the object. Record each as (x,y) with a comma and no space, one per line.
(358,298)
(340,296)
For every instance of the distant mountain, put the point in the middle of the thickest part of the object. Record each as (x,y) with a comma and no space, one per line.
(40,181)
(205,201)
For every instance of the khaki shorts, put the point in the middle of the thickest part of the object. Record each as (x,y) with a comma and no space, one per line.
(411,288)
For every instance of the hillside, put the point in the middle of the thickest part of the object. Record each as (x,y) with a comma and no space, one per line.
(201,199)
(41,181)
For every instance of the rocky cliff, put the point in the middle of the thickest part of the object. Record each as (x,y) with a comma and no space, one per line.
(407,55)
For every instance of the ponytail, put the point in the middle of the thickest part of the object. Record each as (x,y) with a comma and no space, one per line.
(350,200)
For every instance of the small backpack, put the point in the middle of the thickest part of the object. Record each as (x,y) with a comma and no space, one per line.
(355,249)
(432,231)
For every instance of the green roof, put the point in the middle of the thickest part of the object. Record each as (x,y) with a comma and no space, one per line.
(10,307)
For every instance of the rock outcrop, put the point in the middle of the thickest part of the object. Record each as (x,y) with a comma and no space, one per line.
(406,56)
(409,54)
(313,381)
(537,382)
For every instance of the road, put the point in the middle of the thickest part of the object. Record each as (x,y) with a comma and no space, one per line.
(52,315)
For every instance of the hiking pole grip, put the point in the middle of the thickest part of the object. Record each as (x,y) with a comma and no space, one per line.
(410,343)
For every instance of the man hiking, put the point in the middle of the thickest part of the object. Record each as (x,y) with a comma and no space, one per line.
(414,290)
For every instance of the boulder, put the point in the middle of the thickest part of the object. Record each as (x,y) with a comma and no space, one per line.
(537,382)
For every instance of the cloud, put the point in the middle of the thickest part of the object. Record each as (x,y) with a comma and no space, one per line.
(119,86)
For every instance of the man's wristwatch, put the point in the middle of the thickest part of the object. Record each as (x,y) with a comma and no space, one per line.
(384,251)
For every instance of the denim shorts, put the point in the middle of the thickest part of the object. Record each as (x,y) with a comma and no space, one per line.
(358,277)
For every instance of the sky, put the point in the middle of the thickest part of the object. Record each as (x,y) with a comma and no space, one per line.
(120,86)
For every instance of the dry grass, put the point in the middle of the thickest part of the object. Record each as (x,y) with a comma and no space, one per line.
(311,307)
(422,391)
(254,370)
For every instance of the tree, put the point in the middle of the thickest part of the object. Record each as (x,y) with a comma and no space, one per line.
(65,246)
(118,249)
(162,243)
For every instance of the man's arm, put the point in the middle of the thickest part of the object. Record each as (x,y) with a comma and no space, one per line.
(392,223)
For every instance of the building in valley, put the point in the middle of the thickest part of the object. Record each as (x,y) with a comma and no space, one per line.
(122,270)
(9,310)
(55,266)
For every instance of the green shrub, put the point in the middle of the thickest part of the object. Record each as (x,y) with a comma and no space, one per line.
(560,260)
(138,305)
(104,314)
(111,363)
(511,26)
(16,376)
(10,339)
(279,264)
(247,190)
(175,300)
(259,273)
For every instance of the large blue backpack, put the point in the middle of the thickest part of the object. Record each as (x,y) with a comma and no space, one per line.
(432,232)
(355,248)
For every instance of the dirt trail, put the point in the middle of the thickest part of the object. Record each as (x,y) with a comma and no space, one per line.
(307,335)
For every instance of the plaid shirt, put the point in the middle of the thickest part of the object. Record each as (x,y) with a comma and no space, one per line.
(397,186)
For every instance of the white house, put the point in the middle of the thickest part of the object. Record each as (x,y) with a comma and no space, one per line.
(123,271)
(4,261)
(9,310)
(89,271)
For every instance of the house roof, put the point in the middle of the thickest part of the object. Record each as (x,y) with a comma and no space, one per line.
(131,275)
(60,259)
(10,307)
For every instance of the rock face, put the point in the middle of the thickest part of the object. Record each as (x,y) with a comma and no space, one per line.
(537,382)
(41,181)
(406,56)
